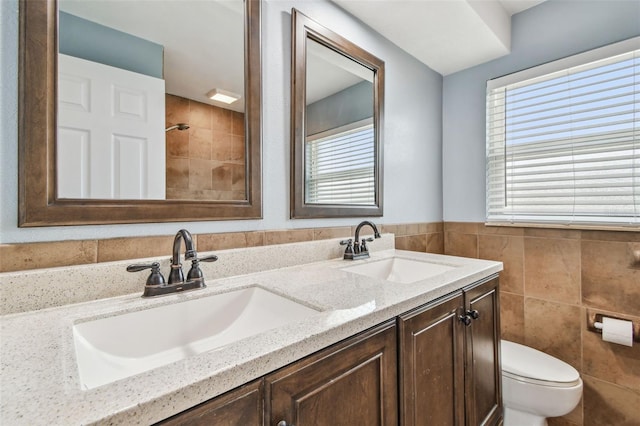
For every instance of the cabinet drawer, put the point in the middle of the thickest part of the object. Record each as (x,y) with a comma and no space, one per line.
(241,406)
(351,383)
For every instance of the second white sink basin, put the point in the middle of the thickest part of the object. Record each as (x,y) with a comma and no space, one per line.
(112,348)
(399,269)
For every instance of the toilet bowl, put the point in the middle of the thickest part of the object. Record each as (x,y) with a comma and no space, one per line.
(536,386)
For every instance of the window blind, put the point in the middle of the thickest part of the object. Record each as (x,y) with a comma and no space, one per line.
(339,168)
(564,147)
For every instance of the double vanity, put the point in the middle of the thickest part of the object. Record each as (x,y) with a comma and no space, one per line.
(326,339)
(271,335)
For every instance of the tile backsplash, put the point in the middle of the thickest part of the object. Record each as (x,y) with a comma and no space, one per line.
(35,273)
(37,289)
(25,256)
(550,278)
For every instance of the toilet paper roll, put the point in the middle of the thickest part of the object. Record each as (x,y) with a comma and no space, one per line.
(617,331)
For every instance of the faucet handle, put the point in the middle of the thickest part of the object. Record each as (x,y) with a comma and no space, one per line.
(363,246)
(348,252)
(211,258)
(155,278)
(195,273)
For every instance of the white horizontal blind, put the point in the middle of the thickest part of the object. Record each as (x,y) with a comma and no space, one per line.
(565,147)
(339,169)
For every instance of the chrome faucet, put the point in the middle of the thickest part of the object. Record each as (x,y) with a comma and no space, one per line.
(156,285)
(358,249)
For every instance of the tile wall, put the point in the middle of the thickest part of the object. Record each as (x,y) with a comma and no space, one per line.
(551,278)
(207,160)
(18,257)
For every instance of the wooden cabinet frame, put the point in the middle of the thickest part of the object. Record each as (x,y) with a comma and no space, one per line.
(459,383)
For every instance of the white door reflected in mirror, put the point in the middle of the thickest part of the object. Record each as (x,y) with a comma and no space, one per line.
(110,136)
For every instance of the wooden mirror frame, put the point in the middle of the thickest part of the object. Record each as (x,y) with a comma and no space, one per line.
(37,134)
(303,28)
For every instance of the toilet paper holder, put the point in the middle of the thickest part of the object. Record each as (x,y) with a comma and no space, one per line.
(593,318)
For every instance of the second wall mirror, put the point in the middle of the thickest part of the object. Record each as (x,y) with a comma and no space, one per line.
(337,110)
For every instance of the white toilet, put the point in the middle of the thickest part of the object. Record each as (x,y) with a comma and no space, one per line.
(536,386)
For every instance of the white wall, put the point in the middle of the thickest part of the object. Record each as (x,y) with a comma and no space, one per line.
(412,133)
(549,31)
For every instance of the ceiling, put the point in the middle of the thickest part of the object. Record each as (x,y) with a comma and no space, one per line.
(329,72)
(203,41)
(446,35)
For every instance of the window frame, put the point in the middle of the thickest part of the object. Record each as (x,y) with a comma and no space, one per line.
(519,219)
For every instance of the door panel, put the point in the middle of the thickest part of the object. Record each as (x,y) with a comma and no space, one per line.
(432,365)
(242,406)
(483,355)
(111,138)
(352,383)
(73,150)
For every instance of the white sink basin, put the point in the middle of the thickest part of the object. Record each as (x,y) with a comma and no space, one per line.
(112,348)
(399,269)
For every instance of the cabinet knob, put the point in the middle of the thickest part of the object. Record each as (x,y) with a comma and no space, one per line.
(473,314)
(465,319)
(283,423)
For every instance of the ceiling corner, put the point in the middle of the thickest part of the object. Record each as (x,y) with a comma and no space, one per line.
(446,35)
(496,18)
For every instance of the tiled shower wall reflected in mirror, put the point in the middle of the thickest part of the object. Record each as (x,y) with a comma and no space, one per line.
(207,160)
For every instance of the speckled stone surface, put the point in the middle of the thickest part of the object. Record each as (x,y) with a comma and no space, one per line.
(40,382)
(49,287)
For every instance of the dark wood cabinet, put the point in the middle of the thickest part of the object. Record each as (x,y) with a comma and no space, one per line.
(241,406)
(432,364)
(449,360)
(483,370)
(440,365)
(351,383)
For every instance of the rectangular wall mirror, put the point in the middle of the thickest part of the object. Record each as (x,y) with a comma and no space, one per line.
(139,111)
(337,109)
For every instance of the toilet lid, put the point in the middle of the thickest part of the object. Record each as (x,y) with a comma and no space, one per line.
(528,363)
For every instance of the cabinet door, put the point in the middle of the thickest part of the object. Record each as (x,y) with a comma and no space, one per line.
(242,406)
(432,364)
(351,383)
(484,401)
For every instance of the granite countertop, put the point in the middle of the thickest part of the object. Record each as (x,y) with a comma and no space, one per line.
(40,381)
